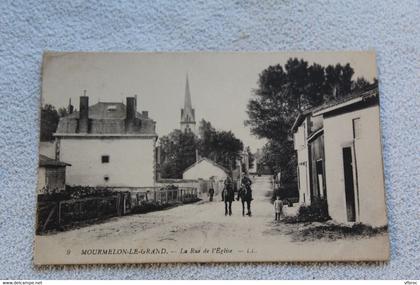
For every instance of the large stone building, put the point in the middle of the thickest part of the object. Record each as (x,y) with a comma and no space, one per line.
(107,144)
(188,123)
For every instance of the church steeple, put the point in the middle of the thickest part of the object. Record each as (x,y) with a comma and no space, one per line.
(187,113)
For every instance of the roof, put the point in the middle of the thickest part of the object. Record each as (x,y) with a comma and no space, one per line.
(49,162)
(106,118)
(299,119)
(208,160)
(354,98)
(335,104)
(187,113)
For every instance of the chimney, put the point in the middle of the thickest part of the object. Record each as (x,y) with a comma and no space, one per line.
(131,108)
(84,113)
(130,117)
(70,108)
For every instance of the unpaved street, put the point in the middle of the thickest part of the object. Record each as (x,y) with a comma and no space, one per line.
(200,226)
(203,221)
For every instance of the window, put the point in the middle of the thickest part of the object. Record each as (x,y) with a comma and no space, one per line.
(105,158)
(356,128)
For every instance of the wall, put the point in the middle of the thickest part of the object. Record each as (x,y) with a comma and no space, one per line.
(41,180)
(131,161)
(47,149)
(338,133)
(301,148)
(204,170)
(56,177)
(316,147)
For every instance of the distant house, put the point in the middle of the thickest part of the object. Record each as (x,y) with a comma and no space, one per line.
(51,175)
(339,156)
(204,169)
(107,144)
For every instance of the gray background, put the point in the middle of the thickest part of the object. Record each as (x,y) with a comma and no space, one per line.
(29,27)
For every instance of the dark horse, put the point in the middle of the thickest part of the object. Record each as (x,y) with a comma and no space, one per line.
(228,196)
(245,194)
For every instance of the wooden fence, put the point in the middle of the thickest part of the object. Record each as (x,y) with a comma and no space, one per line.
(139,195)
(62,213)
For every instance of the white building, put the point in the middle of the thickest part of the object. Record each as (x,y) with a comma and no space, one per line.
(308,144)
(204,169)
(107,144)
(51,175)
(353,159)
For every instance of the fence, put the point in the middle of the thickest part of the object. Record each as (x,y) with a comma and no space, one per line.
(62,212)
(58,214)
(201,185)
(140,195)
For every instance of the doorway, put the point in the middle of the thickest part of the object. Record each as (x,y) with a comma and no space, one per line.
(349,184)
(320,177)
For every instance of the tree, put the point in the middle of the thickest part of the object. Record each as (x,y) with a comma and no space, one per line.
(338,81)
(49,122)
(361,84)
(281,95)
(178,151)
(220,146)
(62,112)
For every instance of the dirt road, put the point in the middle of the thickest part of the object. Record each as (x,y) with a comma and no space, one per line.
(202,221)
(201,226)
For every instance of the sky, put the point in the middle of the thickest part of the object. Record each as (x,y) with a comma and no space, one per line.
(221,84)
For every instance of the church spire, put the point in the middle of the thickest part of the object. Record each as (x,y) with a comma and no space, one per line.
(187,113)
(187,99)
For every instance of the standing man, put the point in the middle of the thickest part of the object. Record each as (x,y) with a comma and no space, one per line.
(211,189)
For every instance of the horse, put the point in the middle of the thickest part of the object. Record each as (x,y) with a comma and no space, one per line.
(245,194)
(228,196)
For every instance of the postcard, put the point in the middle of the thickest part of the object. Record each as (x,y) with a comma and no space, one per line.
(210,157)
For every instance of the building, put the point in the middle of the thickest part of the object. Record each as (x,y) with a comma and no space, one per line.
(309,146)
(51,175)
(188,123)
(107,144)
(339,156)
(204,169)
(353,159)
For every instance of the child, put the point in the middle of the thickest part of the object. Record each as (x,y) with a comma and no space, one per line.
(278,208)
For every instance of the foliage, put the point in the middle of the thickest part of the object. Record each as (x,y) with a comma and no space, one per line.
(333,232)
(75,192)
(317,211)
(178,149)
(285,91)
(220,146)
(49,122)
(288,193)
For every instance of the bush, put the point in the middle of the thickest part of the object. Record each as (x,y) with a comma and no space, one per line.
(316,212)
(288,192)
(146,207)
(338,231)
